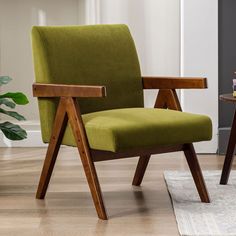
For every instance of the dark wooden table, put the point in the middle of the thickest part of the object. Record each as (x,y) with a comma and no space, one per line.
(231,144)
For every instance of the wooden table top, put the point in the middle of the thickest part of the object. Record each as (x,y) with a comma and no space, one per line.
(228,97)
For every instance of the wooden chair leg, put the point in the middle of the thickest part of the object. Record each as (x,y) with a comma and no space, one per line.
(229,153)
(196,172)
(60,123)
(89,168)
(140,170)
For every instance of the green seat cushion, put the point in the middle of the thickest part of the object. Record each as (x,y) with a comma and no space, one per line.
(125,129)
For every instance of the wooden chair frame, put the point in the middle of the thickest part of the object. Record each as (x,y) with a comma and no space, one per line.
(68,111)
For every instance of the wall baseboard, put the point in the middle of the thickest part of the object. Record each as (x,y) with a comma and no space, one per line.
(33,136)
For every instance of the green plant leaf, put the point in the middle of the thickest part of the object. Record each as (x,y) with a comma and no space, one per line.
(6,102)
(12,114)
(12,131)
(18,98)
(4,80)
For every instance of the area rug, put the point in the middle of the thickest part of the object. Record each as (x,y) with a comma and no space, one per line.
(203,219)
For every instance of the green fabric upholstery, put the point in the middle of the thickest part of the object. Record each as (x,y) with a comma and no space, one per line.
(87,55)
(106,55)
(124,129)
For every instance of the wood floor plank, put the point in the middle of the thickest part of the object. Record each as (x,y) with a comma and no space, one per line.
(68,208)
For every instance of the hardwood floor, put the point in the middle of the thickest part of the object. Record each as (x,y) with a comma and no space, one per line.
(68,208)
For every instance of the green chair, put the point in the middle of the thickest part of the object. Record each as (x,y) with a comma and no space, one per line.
(89,77)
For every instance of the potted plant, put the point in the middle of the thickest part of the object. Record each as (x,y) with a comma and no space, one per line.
(10,100)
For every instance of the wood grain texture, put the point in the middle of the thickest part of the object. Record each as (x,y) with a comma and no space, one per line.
(64,90)
(76,122)
(69,108)
(167,98)
(59,127)
(174,82)
(140,170)
(106,155)
(228,97)
(68,208)
(196,171)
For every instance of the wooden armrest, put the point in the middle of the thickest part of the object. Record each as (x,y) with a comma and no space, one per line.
(64,90)
(174,83)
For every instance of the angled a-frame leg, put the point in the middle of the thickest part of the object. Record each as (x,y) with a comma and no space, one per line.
(76,123)
(68,108)
(59,127)
(196,172)
(166,98)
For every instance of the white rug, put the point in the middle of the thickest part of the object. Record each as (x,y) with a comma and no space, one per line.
(203,219)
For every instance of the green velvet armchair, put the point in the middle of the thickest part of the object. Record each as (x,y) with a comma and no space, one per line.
(89,77)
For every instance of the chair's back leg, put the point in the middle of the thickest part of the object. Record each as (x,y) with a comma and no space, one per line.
(59,126)
(166,98)
(196,172)
(140,170)
(82,144)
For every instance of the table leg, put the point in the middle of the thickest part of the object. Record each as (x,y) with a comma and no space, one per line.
(229,153)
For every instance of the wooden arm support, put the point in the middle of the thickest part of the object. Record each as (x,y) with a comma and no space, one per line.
(174,83)
(64,90)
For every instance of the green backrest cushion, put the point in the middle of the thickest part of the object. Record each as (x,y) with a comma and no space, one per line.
(87,55)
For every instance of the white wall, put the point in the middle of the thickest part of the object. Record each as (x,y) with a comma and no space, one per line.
(172,38)
(16,20)
(155,26)
(199,57)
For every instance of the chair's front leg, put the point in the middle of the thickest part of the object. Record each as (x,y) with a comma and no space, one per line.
(59,127)
(196,172)
(82,144)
